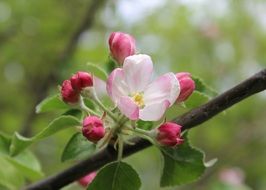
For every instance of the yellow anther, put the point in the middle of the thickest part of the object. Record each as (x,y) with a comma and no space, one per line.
(138,99)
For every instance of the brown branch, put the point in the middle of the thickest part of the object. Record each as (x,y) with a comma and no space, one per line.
(40,89)
(195,117)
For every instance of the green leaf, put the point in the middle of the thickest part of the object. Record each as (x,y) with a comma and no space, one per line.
(183,164)
(25,163)
(10,177)
(19,142)
(89,103)
(196,99)
(74,112)
(97,71)
(203,88)
(4,143)
(111,64)
(50,104)
(116,176)
(146,125)
(77,148)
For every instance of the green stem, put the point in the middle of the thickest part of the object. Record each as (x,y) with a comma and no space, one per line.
(120,148)
(142,133)
(99,103)
(122,120)
(86,109)
(107,138)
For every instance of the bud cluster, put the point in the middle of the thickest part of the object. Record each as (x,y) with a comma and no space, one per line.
(72,88)
(135,96)
(93,128)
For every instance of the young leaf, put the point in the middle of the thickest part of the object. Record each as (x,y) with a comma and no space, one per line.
(97,71)
(111,64)
(10,177)
(4,143)
(25,163)
(50,104)
(196,99)
(147,125)
(77,148)
(116,176)
(182,165)
(74,112)
(19,142)
(203,88)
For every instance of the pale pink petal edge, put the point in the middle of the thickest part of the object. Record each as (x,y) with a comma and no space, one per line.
(127,106)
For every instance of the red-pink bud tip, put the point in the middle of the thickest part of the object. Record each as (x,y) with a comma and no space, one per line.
(169,134)
(69,95)
(86,180)
(187,86)
(121,45)
(93,128)
(81,80)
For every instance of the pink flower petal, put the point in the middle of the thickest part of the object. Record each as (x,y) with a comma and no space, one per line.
(86,180)
(166,87)
(138,71)
(128,107)
(100,87)
(153,112)
(116,86)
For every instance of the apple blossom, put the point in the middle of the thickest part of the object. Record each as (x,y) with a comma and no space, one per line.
(99,86)
(93,128)
(135,95)
(187,85)
(69,95)
(169,134)
(121,46)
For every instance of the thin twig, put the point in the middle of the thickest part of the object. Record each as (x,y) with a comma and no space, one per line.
(253,85)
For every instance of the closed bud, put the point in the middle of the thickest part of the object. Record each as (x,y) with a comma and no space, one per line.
(169,134)
(81,80)
(121,45)
(93,128)
(187,86)
(69,95)
(86,180)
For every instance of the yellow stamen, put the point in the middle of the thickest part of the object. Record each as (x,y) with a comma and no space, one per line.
(138,99)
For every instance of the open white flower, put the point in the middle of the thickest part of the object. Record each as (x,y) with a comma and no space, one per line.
(135,95)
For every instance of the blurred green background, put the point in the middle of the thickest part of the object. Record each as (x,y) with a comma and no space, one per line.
(223,42)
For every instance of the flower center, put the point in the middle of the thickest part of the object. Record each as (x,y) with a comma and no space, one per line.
(138,99)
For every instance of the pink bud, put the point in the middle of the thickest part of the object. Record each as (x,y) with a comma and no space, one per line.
(68,94)
(81,80)
(169,134)
(86,180)
(93,128)
(121,45)
(187,86)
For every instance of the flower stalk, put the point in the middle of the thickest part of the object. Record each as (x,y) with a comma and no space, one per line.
(100,104)
(86,109)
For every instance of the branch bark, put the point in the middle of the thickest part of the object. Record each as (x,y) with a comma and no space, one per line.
(41,89)
(195,117)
